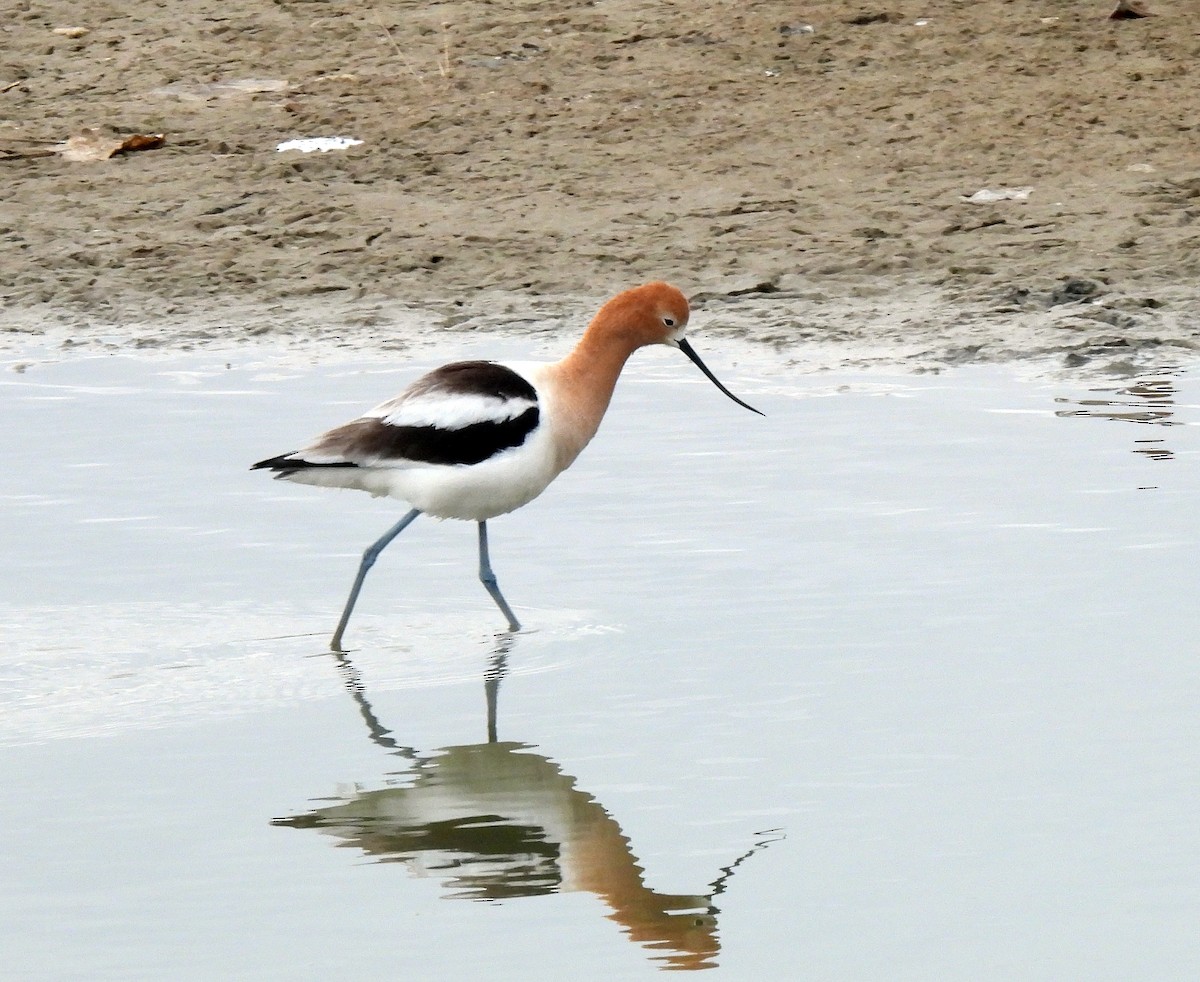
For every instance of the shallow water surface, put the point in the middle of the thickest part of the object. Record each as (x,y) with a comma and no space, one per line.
(898,682)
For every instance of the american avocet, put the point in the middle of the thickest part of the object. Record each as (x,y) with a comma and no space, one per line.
(476,439)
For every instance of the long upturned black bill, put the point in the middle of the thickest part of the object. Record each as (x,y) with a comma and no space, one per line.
(688,350)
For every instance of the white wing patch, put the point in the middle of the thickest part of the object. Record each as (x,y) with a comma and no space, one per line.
(448,411)
(310,455)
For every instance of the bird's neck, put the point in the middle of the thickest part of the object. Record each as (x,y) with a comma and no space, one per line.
(585,381)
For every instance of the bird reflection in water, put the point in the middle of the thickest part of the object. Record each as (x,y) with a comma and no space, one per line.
(496,821)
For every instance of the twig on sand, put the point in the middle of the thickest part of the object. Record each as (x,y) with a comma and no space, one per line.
(399,54)
(444,61)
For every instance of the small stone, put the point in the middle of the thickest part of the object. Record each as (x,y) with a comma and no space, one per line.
(1129,10)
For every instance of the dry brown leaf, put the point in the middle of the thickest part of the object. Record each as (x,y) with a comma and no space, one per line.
(143,141)
(89,145)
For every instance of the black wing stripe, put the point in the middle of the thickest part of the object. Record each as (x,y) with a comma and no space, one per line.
(471,444)
(289,464)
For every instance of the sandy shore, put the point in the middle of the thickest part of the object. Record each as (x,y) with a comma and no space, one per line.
(804,173)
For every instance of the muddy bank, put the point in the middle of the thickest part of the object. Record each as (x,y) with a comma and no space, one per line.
(920,331)
(811,177)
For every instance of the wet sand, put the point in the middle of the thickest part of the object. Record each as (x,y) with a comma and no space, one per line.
(802,173)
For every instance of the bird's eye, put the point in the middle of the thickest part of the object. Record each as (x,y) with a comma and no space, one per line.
(669,321)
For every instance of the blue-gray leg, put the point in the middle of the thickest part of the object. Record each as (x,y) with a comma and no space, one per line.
(488,579)
(368,560)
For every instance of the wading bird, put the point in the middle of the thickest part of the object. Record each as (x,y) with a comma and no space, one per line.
(476,439)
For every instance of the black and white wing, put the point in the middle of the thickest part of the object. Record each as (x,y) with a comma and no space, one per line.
(463,413)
